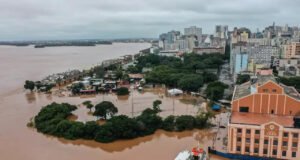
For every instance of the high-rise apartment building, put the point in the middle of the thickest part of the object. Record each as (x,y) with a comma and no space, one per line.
(194,31)
(291,50)
(221,31)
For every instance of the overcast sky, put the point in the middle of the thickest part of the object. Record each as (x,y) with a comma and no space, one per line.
(81,19)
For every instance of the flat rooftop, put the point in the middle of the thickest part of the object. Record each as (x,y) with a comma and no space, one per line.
(259,119)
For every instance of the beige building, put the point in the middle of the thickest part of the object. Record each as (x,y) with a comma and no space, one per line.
(209,50)
(260,41)
(291,50)
(265,120)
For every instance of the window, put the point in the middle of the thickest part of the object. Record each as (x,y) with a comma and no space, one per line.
(285,134)
(294,154)
(238,148)
(239,130)
(256,141)
(274,152)
(255,150)
(265,151)
(275,142)
(283,153)
(284,143)
(294,144)
(265,90)
(247,149)
(295,135)
(274,90)
(266,141)
(247,140)
(244,109)
(257,131)
(239,139)
(248,131)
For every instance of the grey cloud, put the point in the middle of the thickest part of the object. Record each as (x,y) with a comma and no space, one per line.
(59,19)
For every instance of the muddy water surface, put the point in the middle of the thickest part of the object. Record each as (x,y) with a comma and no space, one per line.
(17,106)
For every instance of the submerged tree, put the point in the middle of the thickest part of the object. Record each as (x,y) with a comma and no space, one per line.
(122,91)
(156,106)
(88,105)
(105,109)
(29,85)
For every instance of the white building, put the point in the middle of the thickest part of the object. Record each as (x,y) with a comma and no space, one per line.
(221,31)
(193,30)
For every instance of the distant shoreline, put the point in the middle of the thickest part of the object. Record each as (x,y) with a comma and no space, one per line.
(79,43)
(57,44)
(88,44)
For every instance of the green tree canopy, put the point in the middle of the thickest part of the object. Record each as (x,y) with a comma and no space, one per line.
(29,85)
(191,82)
(122,91)
(241,78)
(77,87)
(215,90)
(133,69)
(88,105)
(292,81)
(185,122)
(156,105)
(169,123)
(105,109)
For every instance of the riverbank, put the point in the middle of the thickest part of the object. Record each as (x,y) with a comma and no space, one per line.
(27,63)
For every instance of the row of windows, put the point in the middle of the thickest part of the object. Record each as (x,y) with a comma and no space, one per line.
(267,90)
(266,142)
(265,151)
(248,131)
(285,134)
(245,109)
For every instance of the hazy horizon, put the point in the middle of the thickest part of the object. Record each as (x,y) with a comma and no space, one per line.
(117,19)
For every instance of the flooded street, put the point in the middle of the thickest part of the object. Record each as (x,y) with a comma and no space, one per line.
(17,106)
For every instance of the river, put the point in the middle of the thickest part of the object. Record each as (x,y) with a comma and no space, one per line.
(17,106)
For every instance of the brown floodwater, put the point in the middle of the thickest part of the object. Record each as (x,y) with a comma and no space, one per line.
(17,106)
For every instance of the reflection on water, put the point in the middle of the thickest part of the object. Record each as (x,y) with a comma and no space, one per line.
(121,145)
(123,98)
(30,96)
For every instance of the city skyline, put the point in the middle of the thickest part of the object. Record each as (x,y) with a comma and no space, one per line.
(39,20)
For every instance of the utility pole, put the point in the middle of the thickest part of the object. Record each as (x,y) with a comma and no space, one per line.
(173,105)
(132,105)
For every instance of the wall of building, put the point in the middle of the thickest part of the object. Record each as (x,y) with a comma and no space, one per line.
(268,102)
(250,140)
(241,62)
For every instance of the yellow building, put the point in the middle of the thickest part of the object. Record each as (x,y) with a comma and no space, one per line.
(244,37)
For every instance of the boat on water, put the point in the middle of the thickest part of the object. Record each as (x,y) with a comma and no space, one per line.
(196,154)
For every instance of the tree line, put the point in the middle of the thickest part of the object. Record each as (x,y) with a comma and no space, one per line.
(53,120)
(189,73)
